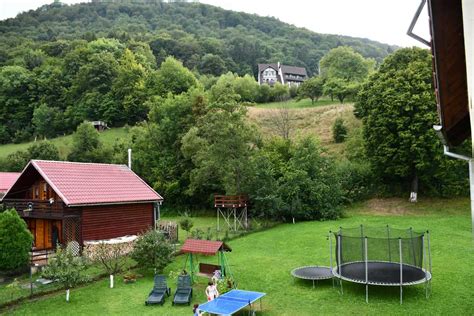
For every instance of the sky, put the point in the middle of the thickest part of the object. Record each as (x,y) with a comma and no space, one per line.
(380,20)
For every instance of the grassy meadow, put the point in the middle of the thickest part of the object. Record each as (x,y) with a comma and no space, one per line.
(64,143)
(293,104)
(262,261)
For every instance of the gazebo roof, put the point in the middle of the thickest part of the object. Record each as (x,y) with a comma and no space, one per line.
(204,247)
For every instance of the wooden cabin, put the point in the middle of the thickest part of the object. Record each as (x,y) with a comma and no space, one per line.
(70,203)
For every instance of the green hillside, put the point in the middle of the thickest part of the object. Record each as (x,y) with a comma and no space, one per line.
(308,119)
(63,64)
(187,31)
(64,143)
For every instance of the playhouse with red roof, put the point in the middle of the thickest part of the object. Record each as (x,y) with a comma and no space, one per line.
(70,202)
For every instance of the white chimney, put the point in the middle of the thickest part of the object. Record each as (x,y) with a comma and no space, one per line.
(130,158)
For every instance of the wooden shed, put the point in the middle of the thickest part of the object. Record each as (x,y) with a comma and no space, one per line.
(70,203)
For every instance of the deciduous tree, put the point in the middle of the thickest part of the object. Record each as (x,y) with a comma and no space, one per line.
(398,109)
(311,88)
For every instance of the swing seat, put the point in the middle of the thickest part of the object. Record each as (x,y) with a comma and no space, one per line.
(206,269)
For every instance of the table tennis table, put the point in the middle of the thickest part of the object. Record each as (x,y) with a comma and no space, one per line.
(232,302)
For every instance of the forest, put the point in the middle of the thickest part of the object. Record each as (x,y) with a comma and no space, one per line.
(95,61)
(181,76)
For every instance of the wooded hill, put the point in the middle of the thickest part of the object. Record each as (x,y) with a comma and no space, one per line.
(187,31)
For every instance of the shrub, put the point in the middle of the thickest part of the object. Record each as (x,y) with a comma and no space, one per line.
(186,224)
(293,91)
(15,241)
(112,257)
(66,268)
(197,234)
(294,181)
(264,93)
(339,130)
(279,92)
(152,251)
(358,181)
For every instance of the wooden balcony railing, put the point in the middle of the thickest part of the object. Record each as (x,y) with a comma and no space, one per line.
(37,208)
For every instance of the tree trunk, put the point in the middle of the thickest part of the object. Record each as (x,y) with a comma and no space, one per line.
(414,189)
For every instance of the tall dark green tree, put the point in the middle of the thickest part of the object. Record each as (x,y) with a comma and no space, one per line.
(220,146)
(157,145)
(398,110)
(17,99)
(212,65)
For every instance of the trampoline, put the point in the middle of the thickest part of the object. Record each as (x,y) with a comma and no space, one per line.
(382,256)
(313,273)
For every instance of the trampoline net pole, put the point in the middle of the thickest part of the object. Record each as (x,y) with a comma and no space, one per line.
(388,242)
(366,272)
(361,241)
(401,269)
(424,263)
(413,247)
(330,254)
(339,260)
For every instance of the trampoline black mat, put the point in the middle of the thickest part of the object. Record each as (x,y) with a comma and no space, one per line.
(382,273)
(312,273)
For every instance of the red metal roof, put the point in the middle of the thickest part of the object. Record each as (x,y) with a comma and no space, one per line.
(7,179)
(80,183)
(203,247)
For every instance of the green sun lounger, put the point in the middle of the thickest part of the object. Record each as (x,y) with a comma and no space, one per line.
(184,291)
(160,289)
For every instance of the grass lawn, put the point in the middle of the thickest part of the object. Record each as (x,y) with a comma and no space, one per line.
(64,143)
(262,261)
(293,104)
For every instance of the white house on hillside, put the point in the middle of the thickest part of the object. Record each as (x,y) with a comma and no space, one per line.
(273,73)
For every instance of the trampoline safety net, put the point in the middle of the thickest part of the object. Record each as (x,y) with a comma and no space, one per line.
(372,255)
(382,245)
(382,256)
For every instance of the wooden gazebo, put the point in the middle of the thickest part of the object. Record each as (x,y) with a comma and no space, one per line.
(195,247)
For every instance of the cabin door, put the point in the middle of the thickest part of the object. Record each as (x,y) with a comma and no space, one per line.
(47,234)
